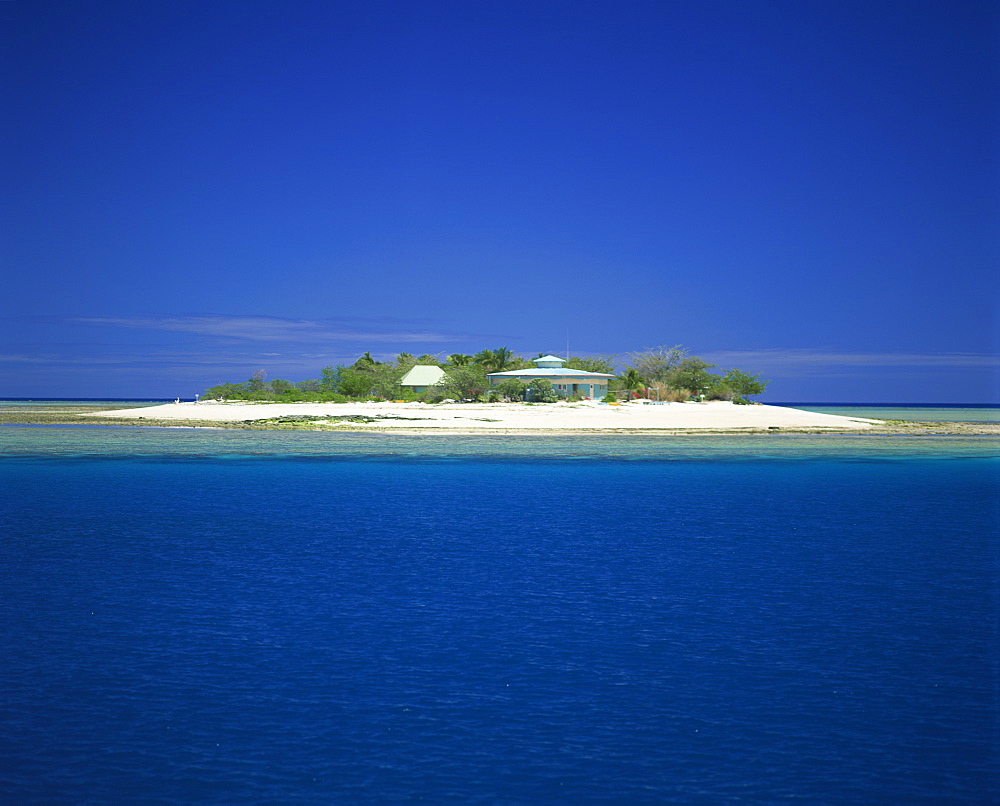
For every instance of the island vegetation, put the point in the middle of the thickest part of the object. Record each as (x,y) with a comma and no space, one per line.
(665,373)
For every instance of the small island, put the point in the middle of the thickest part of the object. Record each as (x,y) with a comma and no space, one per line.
(662,390)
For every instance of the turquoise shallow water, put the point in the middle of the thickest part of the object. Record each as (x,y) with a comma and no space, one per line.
(126,442)
(221,616)
(933,414)
(97,405)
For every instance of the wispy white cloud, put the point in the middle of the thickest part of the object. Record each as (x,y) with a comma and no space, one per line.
(25,359)
(218,357)
(121,360)
(268,328)
(792,358)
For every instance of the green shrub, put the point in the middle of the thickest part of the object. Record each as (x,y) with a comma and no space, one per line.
(511,389)
(540,391)
(719,392)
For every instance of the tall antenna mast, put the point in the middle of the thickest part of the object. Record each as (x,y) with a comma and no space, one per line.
(567,344)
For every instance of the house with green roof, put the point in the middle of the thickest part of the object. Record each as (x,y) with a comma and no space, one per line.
(565,382)
(422,376)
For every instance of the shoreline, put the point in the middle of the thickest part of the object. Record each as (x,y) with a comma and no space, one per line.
(631,419)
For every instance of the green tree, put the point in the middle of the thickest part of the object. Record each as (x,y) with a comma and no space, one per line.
(279,386)
(498,360)
(227,391)
(540,391)
(593,363)
(511,389)
(366,360)
(631,381)
(459,360)
(257,385)
(744,384)
(385,380)
(354,382)
(331,378)
(405,361)
(466,383)
(693,374)
(656,364)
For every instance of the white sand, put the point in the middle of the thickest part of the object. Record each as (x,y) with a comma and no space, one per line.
(584,416)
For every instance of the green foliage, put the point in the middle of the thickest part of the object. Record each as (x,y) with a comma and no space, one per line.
(631,381)
(669,370)
(744,384)
(405,362)
(465,383)
(353,382)
(656,364)
(693,374)
(257,387)
(227,391)
(610,397)
(498,360)
(279,386)
(365,360)
(371,379)
(592,363)
(331,377)
(540,391)
(511,389)
(719,391)
(384,379)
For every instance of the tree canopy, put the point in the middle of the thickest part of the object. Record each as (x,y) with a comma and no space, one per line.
(592,363)
(669,371)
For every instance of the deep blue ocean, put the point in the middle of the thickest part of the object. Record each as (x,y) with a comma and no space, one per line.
(203,616)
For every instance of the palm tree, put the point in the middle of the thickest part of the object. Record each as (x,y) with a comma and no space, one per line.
(366,360)
(496,360)
(631,380)
(460,360)
(486,359)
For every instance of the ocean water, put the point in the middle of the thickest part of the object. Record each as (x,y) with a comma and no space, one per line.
(935,413)
(24,403)
(211,616)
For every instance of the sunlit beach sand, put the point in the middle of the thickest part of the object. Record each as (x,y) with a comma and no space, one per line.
(582,416)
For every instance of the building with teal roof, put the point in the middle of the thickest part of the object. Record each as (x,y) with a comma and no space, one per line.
(565,382)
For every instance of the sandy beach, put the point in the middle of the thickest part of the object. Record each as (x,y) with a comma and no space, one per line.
(479,417)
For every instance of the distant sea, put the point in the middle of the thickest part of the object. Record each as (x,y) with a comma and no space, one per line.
(254,617)
(19,403)
(917,412)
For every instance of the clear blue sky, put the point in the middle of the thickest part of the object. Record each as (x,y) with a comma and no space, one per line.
(196,190)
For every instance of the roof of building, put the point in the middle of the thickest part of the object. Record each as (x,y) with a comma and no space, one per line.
(550,358)
(422,375)
(550,372)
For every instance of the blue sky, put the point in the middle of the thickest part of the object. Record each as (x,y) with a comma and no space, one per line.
(199,190)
